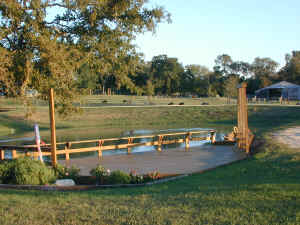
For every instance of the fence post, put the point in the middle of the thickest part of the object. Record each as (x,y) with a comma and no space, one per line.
(14,154)
(244,139)
(212,137)
(2,155)
(187,140)
(130,141)
(52,124)
(100,144)
(160,138)
(67,147)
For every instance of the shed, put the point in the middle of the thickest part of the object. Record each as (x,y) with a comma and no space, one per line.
(283,89)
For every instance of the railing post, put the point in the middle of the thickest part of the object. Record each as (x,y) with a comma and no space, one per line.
(14,154)
(53,132)
(67,147)
(160,139)
(187,140)
(2,154)
(100,144)
(212,137)
(130,141)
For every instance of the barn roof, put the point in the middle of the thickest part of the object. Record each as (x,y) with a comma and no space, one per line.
(280,85)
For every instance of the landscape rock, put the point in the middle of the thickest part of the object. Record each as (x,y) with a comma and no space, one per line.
(65,182)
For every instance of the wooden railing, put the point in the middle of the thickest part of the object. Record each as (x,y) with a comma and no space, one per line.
(100,145)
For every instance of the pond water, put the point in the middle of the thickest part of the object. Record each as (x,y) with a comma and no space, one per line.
(127,133)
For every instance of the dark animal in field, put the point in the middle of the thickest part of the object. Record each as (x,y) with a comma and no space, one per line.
(171,103)
(181,103)
(205,103)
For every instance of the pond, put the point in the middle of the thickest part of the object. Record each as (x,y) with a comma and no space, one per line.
(126,133)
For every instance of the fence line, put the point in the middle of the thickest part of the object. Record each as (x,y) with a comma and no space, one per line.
(65,148)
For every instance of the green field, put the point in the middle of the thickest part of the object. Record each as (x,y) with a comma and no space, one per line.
(106,121)
(264,189)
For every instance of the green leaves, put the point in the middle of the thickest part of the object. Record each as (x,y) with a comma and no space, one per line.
(44,53)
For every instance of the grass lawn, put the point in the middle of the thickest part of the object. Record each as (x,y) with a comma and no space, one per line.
(264,189)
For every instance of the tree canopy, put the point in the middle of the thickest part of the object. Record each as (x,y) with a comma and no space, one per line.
(42,51)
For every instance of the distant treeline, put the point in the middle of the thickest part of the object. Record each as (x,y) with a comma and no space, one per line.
(166,76)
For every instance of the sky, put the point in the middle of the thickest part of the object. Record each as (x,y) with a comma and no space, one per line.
(203,29)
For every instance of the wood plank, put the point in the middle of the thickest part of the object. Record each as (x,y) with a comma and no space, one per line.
(67,150)
(33,147)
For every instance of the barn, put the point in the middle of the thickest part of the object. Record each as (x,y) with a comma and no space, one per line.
(283,89)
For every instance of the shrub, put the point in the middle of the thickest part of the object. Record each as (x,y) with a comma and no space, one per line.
(119,177)
(4,168)
(26,171)
(181,103)
(135,178)
(104,101)
(171,103)
(151,176)
(63,172)
(100,173)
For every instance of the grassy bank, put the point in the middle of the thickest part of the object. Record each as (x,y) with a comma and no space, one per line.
(112,122)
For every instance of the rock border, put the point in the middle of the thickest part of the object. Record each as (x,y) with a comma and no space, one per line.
(85,187)
(97,187)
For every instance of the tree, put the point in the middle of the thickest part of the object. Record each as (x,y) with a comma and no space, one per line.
(230,89)
(6,79)
(243,69)
(165,74)
(86,78)
(264,69)
(291,71)
(223,64)
(195,79)
(47,53)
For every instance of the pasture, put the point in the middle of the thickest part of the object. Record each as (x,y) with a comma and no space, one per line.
(263,189)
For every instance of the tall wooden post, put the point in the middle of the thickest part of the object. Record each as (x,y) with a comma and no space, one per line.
(52,124)
(2,155)
(244,139)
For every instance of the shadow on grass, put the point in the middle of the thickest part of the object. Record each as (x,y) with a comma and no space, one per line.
(19,126)
(264,119)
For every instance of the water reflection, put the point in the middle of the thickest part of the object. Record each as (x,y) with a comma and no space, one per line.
(141,149)
(138,149)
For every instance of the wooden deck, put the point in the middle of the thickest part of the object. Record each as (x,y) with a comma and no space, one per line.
(170,161)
